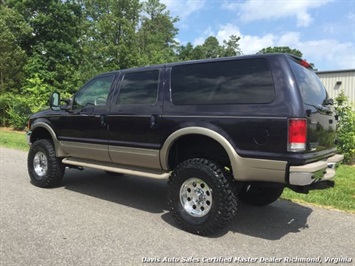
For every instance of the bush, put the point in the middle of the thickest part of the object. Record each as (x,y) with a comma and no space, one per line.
(345,128)
(16,109)
(18,112)
(4,106)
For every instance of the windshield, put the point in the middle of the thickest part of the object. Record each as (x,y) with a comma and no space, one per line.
(311,88)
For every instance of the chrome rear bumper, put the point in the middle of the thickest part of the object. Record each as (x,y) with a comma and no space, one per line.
(308,174)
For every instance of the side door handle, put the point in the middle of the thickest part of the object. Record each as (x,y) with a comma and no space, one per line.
(154,121)
(103,120)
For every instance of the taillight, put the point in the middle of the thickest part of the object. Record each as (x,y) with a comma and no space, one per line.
(297,134)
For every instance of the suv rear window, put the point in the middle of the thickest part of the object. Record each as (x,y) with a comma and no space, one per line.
(312,89)
(223,82)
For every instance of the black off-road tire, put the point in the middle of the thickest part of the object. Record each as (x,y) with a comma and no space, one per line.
(206,214)
(44,168)
(260,194)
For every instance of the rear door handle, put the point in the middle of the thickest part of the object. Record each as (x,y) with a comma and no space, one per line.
(154,121)
(103,120)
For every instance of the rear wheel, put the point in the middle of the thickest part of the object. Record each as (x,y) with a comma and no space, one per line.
(201,197)
(260,194)
(44,168)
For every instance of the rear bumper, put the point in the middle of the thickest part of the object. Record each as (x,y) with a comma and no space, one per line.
(320,171)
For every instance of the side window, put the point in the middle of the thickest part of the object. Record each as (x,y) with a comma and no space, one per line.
(139,88)
(93,93)
(222,82)
(312,89)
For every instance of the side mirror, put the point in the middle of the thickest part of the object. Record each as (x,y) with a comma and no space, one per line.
(54,101)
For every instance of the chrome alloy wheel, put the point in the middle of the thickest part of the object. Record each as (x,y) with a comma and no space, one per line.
(196,197)
(40,164)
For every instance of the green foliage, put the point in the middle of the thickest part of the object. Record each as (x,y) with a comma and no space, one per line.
(37,94)
(52,45)
(280,49)
(231,47)
(156,34)
(109,39)
(185,52)
(33,98)
(345,128)
(18,112)
(283,50)
(12,57)
(210,49)
(4,105)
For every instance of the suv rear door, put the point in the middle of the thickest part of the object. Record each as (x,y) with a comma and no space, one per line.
(134,118)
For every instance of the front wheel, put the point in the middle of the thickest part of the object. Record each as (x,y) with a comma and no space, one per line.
(201,196)
(44,168)
(258,194)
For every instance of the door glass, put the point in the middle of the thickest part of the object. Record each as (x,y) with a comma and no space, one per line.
(139,88)
(94,94)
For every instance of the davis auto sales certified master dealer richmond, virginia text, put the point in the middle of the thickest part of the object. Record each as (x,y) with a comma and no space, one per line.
(247,260)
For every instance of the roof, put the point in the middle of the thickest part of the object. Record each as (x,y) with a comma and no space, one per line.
(336,71)
(207,60)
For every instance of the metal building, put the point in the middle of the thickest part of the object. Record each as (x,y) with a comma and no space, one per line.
(337,80)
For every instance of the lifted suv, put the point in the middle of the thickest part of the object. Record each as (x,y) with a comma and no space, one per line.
(220,130)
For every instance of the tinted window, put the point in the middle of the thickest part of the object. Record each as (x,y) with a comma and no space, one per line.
(94,93)
(312,89)
(227,82)
(139,88)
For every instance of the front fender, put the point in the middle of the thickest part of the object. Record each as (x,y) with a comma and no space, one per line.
(37,133)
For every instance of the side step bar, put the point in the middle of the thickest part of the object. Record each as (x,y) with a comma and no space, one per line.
(117,169)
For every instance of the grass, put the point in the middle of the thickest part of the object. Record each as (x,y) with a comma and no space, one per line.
(341,197)
(13,139)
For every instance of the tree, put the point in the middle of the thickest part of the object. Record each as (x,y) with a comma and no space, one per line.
(280,49)
(210,49)
(231,47)
(12,57)
(198,53)
(184,53)
(108,38)
(39,40)
(283,50)
(52,45)
(157,34)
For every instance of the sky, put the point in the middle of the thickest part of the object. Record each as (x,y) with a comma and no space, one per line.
(323,30)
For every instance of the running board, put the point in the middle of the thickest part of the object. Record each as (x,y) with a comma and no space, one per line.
(117,169)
